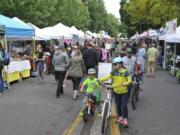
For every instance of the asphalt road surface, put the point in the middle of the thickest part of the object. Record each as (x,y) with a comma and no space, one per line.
(29,108)
(158,109)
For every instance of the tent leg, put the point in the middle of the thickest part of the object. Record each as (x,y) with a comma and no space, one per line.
(165,49)
(174,61)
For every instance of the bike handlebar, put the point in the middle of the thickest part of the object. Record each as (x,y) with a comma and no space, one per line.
(104,85)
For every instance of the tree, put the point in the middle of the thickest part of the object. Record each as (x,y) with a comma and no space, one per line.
(145,14)
(112,25)
(97,14)
(35,11)
(72,12)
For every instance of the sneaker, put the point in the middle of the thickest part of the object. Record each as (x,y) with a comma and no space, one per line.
(119,120)
(1,94)
(99,115)
(125,123)
(81,113)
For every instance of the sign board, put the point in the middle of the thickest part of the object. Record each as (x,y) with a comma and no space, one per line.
(171,27)
(104,69)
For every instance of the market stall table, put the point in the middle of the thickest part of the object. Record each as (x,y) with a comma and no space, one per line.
(17,70)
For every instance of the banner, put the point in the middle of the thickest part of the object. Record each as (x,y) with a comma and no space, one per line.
(171,27)
(104,69)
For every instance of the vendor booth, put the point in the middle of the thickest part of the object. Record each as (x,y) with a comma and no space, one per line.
(16,31)
(171,51)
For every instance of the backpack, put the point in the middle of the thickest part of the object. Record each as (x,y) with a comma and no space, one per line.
(6,60)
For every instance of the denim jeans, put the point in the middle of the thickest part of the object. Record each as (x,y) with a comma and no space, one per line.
(60,78)
(121,104)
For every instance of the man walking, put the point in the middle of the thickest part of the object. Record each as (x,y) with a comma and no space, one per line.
(141,56)
(90,57)
(60,62)
(152,56)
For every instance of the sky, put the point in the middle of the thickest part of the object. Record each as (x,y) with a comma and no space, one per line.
(112,6)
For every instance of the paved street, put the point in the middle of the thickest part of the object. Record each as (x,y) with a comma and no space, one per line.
(158,109)
(29,108)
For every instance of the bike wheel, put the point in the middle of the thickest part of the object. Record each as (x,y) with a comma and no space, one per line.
(133,97)
(137,93)
(105,118)
(85,114)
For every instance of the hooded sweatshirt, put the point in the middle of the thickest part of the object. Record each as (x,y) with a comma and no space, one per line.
(60,61)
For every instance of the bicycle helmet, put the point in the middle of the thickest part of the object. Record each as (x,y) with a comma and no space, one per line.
(91,71)
(117,60)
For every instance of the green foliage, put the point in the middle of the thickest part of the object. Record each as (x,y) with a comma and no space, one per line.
(97,13)
(35,11)
(72,12)
(112,25)
(84,14)
(144,14)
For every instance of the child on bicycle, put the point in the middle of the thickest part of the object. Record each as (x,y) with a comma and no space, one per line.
(138,73)
(121,80)
(92,87)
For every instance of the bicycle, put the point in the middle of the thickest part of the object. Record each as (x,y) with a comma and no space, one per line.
(106,111)
(89,108)
(135,92)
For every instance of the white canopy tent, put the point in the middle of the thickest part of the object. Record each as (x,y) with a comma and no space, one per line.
(51,32)
(74,31)
(135,36)
(175,38)
(39,33)
(63,30)
(18,20)
(81,34)
(172,38)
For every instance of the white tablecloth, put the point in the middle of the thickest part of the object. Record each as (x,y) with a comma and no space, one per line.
(18,66)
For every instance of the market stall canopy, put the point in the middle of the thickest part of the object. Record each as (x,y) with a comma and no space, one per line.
(63,30)
(143,35)
(74,30)
(15,30)
(51,32)
(81,34)
(153,34)
(135,36)
(38,33)
(18,20)
(90,33)
(107,36)
(174,38)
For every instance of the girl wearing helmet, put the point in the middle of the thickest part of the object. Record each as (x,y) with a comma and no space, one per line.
(121,80)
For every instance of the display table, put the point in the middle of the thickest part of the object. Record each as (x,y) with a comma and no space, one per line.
(17,70)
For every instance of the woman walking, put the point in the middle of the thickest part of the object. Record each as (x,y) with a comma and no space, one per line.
(40,64)
(76,71)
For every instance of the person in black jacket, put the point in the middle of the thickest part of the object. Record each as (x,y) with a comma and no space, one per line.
(90,57)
